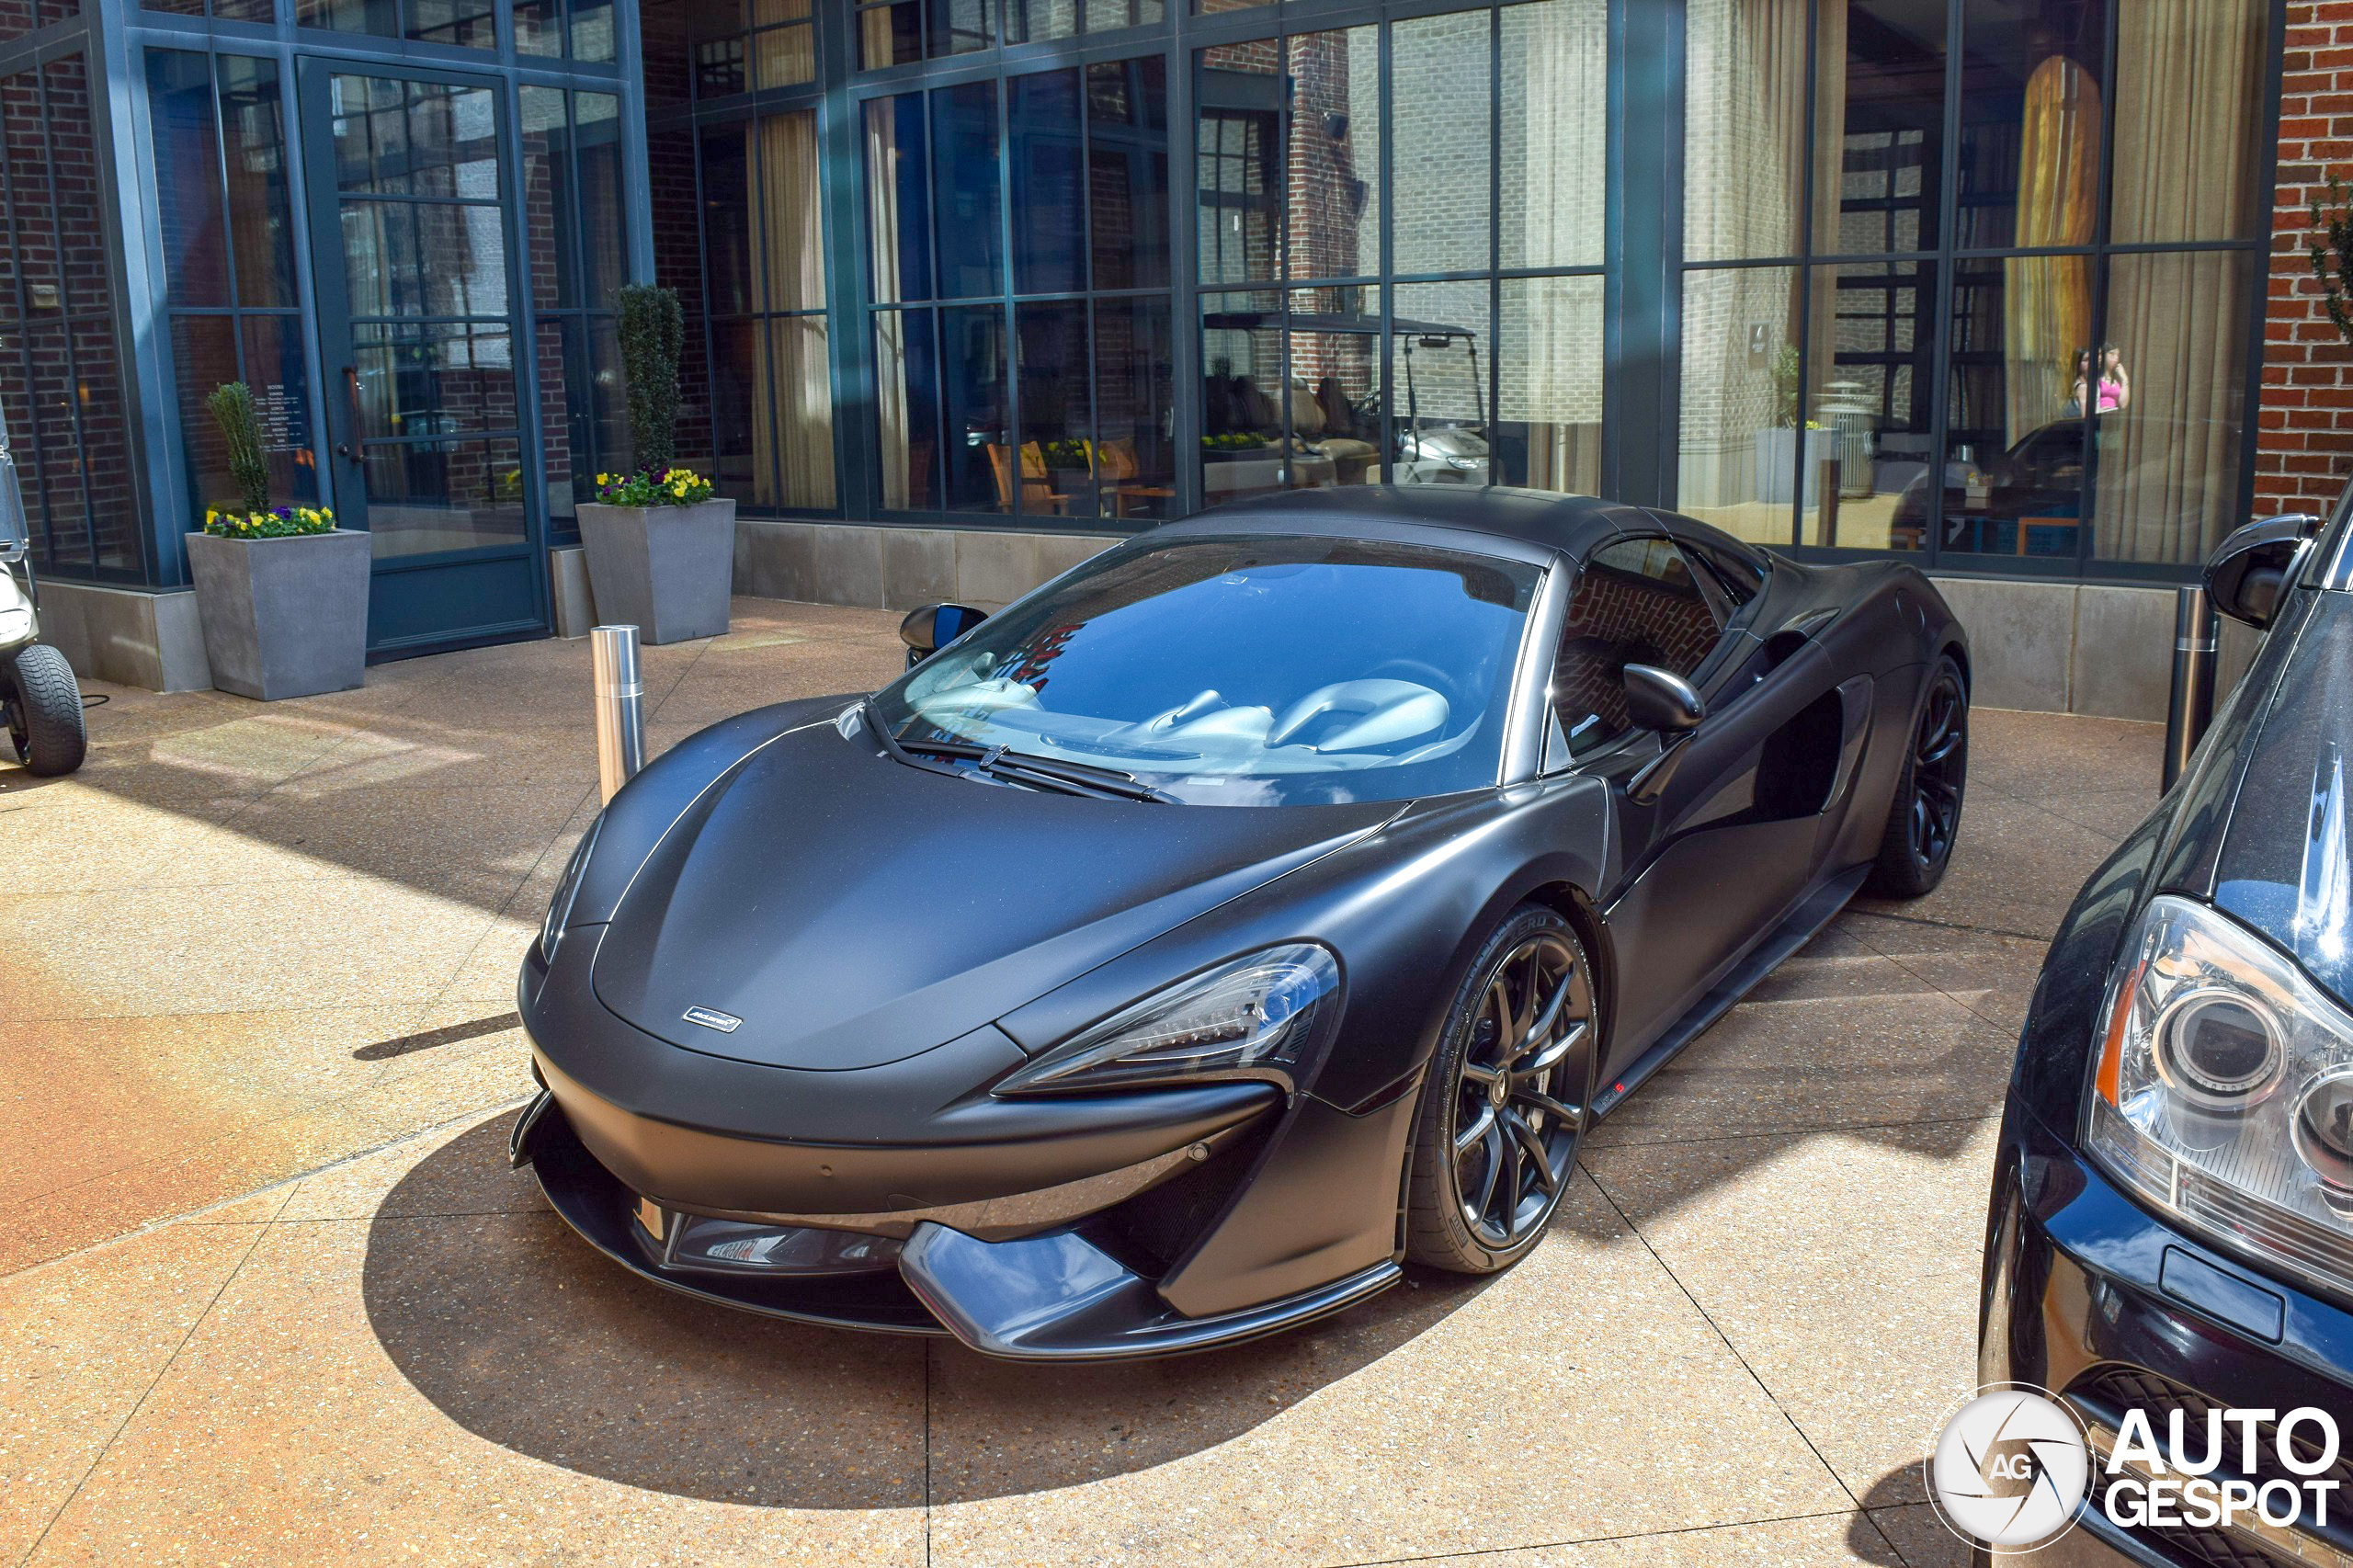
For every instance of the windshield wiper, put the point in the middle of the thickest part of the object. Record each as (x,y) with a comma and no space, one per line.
(1017,767)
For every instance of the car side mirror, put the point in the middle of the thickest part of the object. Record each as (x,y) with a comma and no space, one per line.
(2250,569)
(1662,700)
(931,628)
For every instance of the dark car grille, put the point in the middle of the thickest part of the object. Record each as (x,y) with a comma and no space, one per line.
(2102,1396)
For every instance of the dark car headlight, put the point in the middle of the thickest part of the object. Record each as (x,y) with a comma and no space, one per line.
(567,888)
(1255,1016)
(2222,1092)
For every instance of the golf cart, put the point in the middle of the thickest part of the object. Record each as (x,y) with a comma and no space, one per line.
(39,700)
(1243,430)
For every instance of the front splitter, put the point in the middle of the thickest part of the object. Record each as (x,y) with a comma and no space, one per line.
(1044,1298)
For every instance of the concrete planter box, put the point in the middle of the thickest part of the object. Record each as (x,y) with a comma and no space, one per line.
(665,570)
(283,616)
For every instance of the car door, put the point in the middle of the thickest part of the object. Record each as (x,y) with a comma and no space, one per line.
(1715,843)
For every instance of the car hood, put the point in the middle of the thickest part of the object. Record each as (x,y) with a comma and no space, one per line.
(852,911)
(2286,866)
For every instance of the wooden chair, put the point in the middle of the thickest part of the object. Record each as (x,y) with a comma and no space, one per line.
(1036,494)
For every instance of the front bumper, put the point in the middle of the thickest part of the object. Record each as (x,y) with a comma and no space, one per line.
(2092,1296)
(1054,1294)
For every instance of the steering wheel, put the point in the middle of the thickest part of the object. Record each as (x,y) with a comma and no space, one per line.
(1440,681)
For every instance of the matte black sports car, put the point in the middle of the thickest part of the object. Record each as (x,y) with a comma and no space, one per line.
(1266,902)
(2172,1218)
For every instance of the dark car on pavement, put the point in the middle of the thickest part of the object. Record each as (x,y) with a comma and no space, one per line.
(1272,900)
(2171,1228)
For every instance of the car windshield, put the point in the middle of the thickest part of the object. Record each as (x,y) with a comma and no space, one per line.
(1248,672)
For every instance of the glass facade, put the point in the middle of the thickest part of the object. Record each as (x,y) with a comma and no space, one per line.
(1985,297)
(1976,281)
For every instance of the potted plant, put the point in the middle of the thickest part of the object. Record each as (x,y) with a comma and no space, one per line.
(661,550)
(281,591)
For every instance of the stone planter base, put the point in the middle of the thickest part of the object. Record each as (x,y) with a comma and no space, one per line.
(665,570)
(283,616)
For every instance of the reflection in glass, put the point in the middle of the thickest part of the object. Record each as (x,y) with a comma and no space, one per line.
(2014,431)
(538,29)
(1868,376)
(898,199)
(1554,130)
(727,219)
(434,378)
(1104,16)
(1048,196)
(1237,186)
(596,128)
(1439,364)
(1334,391)
(261,229)
(425,498)
(889,35)
(787,55)
(380,18)
(964,190)
(279,375)
(1879,124)
(204,356)
(187,179)
(1242,423)
(566,436)
(2032,118)
(1742,436)
(1136,455)
(2189,91)
(1744,117)
(1056,455)
(1030,21)
(2167,473)
(1334,171)
(972,408)
(959,27)
(801,369)
(592,30)
(464,24)
(906,397)
(419,258)
(1440,107)
(1548,407)
(1127,172)
(737,352)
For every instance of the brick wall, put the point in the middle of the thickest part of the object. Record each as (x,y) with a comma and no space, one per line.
(2305,445)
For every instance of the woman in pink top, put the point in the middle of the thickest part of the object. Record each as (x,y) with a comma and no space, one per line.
(2115,386)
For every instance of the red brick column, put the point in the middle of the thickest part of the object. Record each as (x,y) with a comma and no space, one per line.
(2304,447)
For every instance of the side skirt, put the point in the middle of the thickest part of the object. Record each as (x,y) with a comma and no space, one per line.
(1796,929)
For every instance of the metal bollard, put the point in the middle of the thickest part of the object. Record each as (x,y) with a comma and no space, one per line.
(2191,707)
(621,707)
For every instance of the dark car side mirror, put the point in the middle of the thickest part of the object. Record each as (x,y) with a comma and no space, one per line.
(2249,570)
(931,628)
(1662,700)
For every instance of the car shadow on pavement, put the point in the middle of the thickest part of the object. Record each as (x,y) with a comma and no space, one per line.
(517,1331)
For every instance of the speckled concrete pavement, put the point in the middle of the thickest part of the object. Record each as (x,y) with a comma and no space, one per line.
(269,1294)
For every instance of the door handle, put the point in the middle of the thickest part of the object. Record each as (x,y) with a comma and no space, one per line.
(350,410)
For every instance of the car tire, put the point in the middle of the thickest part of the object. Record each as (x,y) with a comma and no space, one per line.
(1923,817)
(44,705)
(1475,1200)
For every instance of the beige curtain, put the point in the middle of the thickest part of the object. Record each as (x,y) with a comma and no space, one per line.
(2188,87)
(1745,128)
(1550,373)
(1829,175)
(891,417)
(794,259)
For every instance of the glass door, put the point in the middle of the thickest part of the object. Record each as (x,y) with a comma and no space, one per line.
(415,264)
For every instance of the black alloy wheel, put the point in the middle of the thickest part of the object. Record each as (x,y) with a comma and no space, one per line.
(1924,817)
(1508,1097)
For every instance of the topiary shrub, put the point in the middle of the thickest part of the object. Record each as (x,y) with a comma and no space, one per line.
(652,334)
(232,410)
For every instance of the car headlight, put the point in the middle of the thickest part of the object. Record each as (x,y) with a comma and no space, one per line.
(1464,463)
(567,888)
(1254,1017)
(2222,1092)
